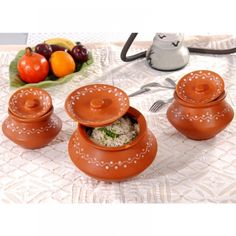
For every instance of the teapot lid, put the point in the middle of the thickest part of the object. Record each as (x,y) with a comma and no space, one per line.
(200,87)
(30,103)
(97,104)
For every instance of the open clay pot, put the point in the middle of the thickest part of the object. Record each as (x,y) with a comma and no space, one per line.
(200,121)
(31,122)
(101,105)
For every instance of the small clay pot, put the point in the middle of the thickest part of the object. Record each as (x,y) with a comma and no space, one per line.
(100,105)
(200,121)
(114,163)
(30,103)
(32,134)
(31,122)
(200,87)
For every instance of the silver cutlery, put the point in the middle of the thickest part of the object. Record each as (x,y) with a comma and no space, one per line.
(140,91)
(159,104)
(155,84)
(171,81)
(145,88)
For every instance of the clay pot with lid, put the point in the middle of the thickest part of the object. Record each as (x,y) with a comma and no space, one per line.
(199,110)
(99,105)
(31,122)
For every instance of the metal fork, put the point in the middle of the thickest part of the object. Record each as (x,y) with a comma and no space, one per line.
(145,88)
(171,81)
(159,104)
(155,84)
(140,91)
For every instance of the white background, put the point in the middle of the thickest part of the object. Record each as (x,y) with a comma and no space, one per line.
(121,15)
(149,16)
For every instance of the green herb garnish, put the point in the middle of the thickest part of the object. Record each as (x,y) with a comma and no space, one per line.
(109,133)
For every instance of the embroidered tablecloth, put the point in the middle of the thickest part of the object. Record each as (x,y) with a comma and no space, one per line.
(184,170)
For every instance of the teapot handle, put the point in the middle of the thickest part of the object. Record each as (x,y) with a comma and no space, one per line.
(126,48)
(191,49)
(212,51)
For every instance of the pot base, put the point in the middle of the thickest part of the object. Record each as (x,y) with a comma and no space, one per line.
(200,122)
(200,138)
(30,135)
(112,166)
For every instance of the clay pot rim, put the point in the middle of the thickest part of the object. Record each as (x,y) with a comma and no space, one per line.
(142,131)
(119,111)
(31,88)
(200,105)
(32,120)
(203,73)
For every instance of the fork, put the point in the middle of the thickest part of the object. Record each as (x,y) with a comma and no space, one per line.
(156,106)
(145,88)
(170,81)
(159,104)
(155,84)
(140,91)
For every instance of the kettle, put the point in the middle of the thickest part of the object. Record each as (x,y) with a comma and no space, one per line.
(168,52)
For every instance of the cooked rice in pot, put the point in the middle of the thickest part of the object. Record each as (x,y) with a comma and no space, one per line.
(117,134)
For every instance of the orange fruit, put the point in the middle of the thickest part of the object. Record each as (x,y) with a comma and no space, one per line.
(62,63)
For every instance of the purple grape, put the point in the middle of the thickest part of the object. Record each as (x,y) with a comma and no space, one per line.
(44,49)
(70,52)
(56,47)
(80,53)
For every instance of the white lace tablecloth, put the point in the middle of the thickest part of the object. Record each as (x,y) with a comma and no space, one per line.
(183,171)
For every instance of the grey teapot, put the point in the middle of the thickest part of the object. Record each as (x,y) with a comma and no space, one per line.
(168,52)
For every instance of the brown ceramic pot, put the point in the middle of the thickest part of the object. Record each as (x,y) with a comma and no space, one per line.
(114,163)
(200,87)
(31,124)
(200,121)
(32,134)
(30,103)
(107,163)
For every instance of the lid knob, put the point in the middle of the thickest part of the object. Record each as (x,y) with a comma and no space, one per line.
(96,103)
(201,88)
(31,103)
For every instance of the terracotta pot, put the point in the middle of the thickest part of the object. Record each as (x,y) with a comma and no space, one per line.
(200,121)
(31,130)
(200,87)
(113,163)
(99,105)
(30,103)
(30,134)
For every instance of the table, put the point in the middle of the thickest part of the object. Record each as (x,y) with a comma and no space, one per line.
(184,171)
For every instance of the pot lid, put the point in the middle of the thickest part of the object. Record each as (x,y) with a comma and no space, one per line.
(201,86)
(97,104)
(28,103)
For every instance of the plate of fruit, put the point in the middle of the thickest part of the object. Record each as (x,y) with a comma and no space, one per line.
(55,61)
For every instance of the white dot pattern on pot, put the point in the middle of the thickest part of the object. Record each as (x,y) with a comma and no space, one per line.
(43,99)
(119,96)
(111,164)
(201,76)
(207,117)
